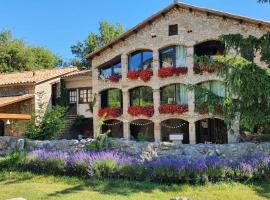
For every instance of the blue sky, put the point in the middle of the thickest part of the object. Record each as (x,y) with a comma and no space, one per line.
(57,24)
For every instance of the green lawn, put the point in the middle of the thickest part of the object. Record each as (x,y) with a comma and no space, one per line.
(29,186)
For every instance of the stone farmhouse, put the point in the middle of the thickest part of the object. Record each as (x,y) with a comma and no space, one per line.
(22,93)
(140,79)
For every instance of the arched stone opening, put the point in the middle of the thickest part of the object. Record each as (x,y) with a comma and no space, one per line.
(174,127)
(209,48)
(142,130)
(111,98)
(114,127)
(211,131)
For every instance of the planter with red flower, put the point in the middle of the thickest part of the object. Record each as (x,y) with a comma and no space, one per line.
(165,72)
(145,75)
(205,64)
(147,111)
(110,112)
(115,78)
(173,109)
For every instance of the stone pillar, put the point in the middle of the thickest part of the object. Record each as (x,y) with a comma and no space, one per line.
(191,102)
(155,63)
(95,113)
(126,129)
(157,131)
(156,98)
(234,130)
(190,61)
(124,66)
(192,133)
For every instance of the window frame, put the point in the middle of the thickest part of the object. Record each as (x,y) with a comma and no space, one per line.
(173,30)
(73,96)
(112,67)
(141,94)
(175,95)
(141,52)
(174,55)
(87,95)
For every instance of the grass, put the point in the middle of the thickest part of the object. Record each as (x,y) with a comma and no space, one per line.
(31,186)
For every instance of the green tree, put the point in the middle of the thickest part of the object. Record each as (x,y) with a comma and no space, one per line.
(16,55)
(107,32)
(264,1)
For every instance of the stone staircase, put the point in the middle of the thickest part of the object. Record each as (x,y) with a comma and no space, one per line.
(69,121)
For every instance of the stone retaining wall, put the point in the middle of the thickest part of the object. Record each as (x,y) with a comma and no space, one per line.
(145,150)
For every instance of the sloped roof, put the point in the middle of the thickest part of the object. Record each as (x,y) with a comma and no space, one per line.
(163,12)
(4,101)
(79,73)
(34,77)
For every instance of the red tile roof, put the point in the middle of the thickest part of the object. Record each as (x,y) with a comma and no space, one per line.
(4,101)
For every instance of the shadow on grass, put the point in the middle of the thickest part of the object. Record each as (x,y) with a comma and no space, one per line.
(67,191)
(263,189)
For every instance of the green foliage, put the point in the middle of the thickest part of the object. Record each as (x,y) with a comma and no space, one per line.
(132,172)
(91,104)
(12,161)
(48,126)
(141,137)
(16,55)
(63,100)
(104,168)
(107,32)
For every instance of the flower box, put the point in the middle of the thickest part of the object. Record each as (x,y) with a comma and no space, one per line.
(115,78)
(147,111)
(145,75)
(173,109)
(111,112)
(170,71)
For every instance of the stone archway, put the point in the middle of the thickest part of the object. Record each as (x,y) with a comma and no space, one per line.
(142,130)
(174,126)
(115,128)
(211,130)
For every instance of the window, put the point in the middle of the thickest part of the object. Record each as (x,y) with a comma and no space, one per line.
(209,48)
(111,98)
(141,96)
(72,96)
(107,71)
(173,29)
(140,60)
(175,56)
(248,54)
(174,94)
(85,95)
(217,87)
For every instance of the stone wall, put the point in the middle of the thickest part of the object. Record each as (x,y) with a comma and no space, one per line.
(145,150)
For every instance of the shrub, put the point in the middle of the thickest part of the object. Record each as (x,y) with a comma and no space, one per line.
(12,160)
(132,171)
(103,168)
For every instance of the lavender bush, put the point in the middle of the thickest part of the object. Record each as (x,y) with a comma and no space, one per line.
(113,164)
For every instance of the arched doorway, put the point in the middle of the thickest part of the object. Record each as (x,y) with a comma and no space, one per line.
(142,130)
(115,128)
(2,128)
(211,130)
(176,127)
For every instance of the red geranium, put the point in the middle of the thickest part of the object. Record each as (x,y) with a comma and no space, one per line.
(114,78)
(173,109)
(146,74)
(111,112)
(170,71)
(147,111)
(132,75)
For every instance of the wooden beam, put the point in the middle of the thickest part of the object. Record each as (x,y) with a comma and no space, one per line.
(15,116)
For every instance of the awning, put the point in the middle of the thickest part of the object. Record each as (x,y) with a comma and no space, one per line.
(15,116)
(5,101)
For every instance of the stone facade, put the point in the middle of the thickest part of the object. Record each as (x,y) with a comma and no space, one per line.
(193,28)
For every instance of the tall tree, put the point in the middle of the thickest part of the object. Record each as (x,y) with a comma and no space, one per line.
(16,55)
(107,32)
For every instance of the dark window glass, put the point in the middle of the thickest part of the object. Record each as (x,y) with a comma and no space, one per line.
(173,29)
(140,60)
(141,96)
(72,96)
(209,48)
(106,71)
(249,55)
(85,95)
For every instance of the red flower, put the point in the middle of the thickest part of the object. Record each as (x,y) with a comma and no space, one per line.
(173,109)
(147,111)
(170,71)
(114,78)
(111,112)
(132,75)
(145,75)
